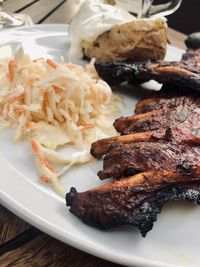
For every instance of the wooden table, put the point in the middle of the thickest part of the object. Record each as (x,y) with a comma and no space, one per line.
(20,243)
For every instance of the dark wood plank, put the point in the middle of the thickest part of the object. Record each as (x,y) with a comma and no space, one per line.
(64,13)
(40,9)
(176,38)
(10,226)
(15,5)
(46,251)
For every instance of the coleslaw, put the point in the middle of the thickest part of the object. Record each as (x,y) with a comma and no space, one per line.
(54,106)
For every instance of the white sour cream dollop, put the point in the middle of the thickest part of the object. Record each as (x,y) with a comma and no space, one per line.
(93,18)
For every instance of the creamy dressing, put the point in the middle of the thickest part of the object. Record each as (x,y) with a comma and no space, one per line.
(49,135)
(93,18)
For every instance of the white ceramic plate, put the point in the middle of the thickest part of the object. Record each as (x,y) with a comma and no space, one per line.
(174,240)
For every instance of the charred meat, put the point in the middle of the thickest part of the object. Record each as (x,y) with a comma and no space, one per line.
(182,73)
(150,168)
(181,117)
(192,55)
(156,158)
(124,160)
(136,200)
(168,97)
(172,120)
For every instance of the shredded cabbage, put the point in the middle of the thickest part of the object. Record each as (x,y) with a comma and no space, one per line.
(54,105)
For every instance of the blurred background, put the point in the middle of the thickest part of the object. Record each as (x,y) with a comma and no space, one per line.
(187,18)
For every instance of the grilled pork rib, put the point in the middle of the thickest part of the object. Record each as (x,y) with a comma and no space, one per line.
(165,104)
(173,119)
(152,168)
(182,73)
(168,97)
(136,200)
(157,157)
(180,117)
(123,160)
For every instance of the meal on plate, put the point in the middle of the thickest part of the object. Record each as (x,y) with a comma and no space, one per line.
(56,106)
(108,32)
(156,158)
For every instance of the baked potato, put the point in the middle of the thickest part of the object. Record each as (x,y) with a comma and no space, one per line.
(138,40)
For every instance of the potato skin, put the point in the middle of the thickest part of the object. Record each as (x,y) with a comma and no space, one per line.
(138,40)
(111,2)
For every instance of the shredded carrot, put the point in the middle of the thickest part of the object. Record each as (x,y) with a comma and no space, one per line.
(19,112)
(51,63)
(44,179)
(30,126)
(41,158)
(57,89)
(12,69)
(55,104)
(45,100)
(71,65)
(104,97)
(10,101)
